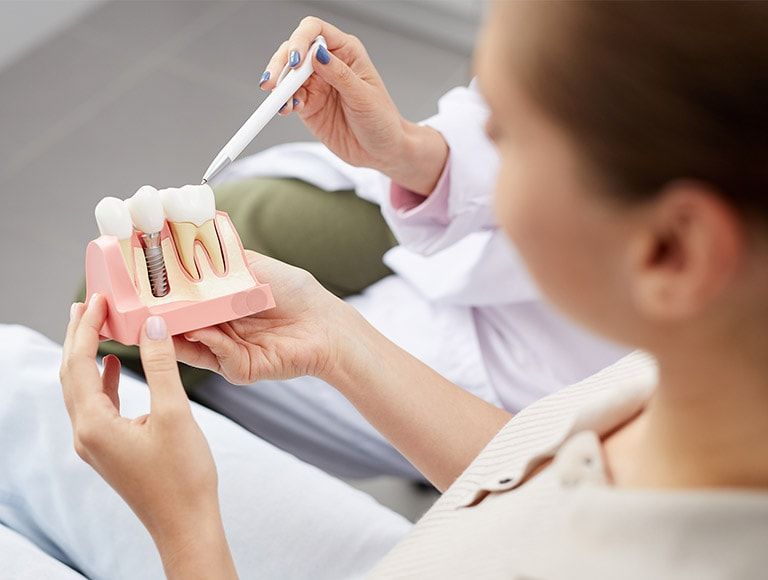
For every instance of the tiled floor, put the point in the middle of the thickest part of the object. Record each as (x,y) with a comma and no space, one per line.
(146,92)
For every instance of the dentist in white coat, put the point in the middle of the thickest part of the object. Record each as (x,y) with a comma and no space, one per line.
(460,299)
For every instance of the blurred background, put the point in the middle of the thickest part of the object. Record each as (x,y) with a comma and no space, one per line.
(98,97)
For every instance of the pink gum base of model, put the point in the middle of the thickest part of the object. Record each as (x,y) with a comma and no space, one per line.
(106,274)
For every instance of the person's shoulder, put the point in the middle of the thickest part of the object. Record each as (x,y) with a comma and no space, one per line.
(634,375)
(613,391)
(631,378)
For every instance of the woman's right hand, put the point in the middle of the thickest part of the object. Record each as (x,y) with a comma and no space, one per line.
(346,105)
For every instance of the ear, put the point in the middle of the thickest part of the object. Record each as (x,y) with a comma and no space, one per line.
(688,250)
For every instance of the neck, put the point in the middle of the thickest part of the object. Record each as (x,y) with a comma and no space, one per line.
(706,425)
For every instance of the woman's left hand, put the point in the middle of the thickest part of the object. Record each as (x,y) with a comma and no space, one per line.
(302,335)
(160,463)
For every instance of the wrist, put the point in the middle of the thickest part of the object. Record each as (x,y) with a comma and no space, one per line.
(357,353)
(173,534)
(195,547)
(347,345)
(421,160)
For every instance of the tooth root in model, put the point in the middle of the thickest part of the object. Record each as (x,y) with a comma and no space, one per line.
(114,219)
(148,217)
(185,235)
(190,211)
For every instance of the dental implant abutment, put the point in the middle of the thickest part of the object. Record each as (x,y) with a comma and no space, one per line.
(153,253)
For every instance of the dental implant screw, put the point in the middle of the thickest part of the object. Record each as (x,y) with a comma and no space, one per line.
(153,253)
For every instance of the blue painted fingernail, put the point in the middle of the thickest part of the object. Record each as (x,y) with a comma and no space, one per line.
(264,78)
(294,58)
(295,101)
(322,55)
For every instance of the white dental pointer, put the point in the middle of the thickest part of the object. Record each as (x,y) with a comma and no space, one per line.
(288,83)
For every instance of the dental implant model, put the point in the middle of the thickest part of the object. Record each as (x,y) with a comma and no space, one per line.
(148,218)
(169,253)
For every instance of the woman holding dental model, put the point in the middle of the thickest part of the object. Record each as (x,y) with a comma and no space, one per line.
(645,221)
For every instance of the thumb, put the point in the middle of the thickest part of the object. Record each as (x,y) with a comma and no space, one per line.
(158,358)
(337,73)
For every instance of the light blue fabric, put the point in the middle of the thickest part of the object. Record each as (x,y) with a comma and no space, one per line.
(22,560)
(311,420)
(284,518)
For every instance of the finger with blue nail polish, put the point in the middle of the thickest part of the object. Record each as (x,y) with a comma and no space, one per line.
(300,100)
(294,58)
(287,108)
(273,68)
(322,55)
(345,104)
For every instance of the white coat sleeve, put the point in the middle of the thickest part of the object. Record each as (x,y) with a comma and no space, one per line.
(463,202)
(451,248)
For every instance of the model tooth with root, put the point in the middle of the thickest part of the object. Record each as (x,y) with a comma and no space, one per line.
(148,217)
(114,219)
(190,211)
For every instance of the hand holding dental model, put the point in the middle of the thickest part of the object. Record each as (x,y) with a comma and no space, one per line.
(169,252)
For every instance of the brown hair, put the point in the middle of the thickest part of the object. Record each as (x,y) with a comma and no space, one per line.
(657,91)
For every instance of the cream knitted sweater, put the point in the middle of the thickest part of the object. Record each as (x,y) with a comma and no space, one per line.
(566,521)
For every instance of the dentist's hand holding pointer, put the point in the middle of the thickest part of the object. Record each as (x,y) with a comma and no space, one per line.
(346,105)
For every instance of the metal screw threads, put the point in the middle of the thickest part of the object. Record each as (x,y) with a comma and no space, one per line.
(158,275)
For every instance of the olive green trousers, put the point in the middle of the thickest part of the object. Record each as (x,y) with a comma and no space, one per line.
(337,236)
